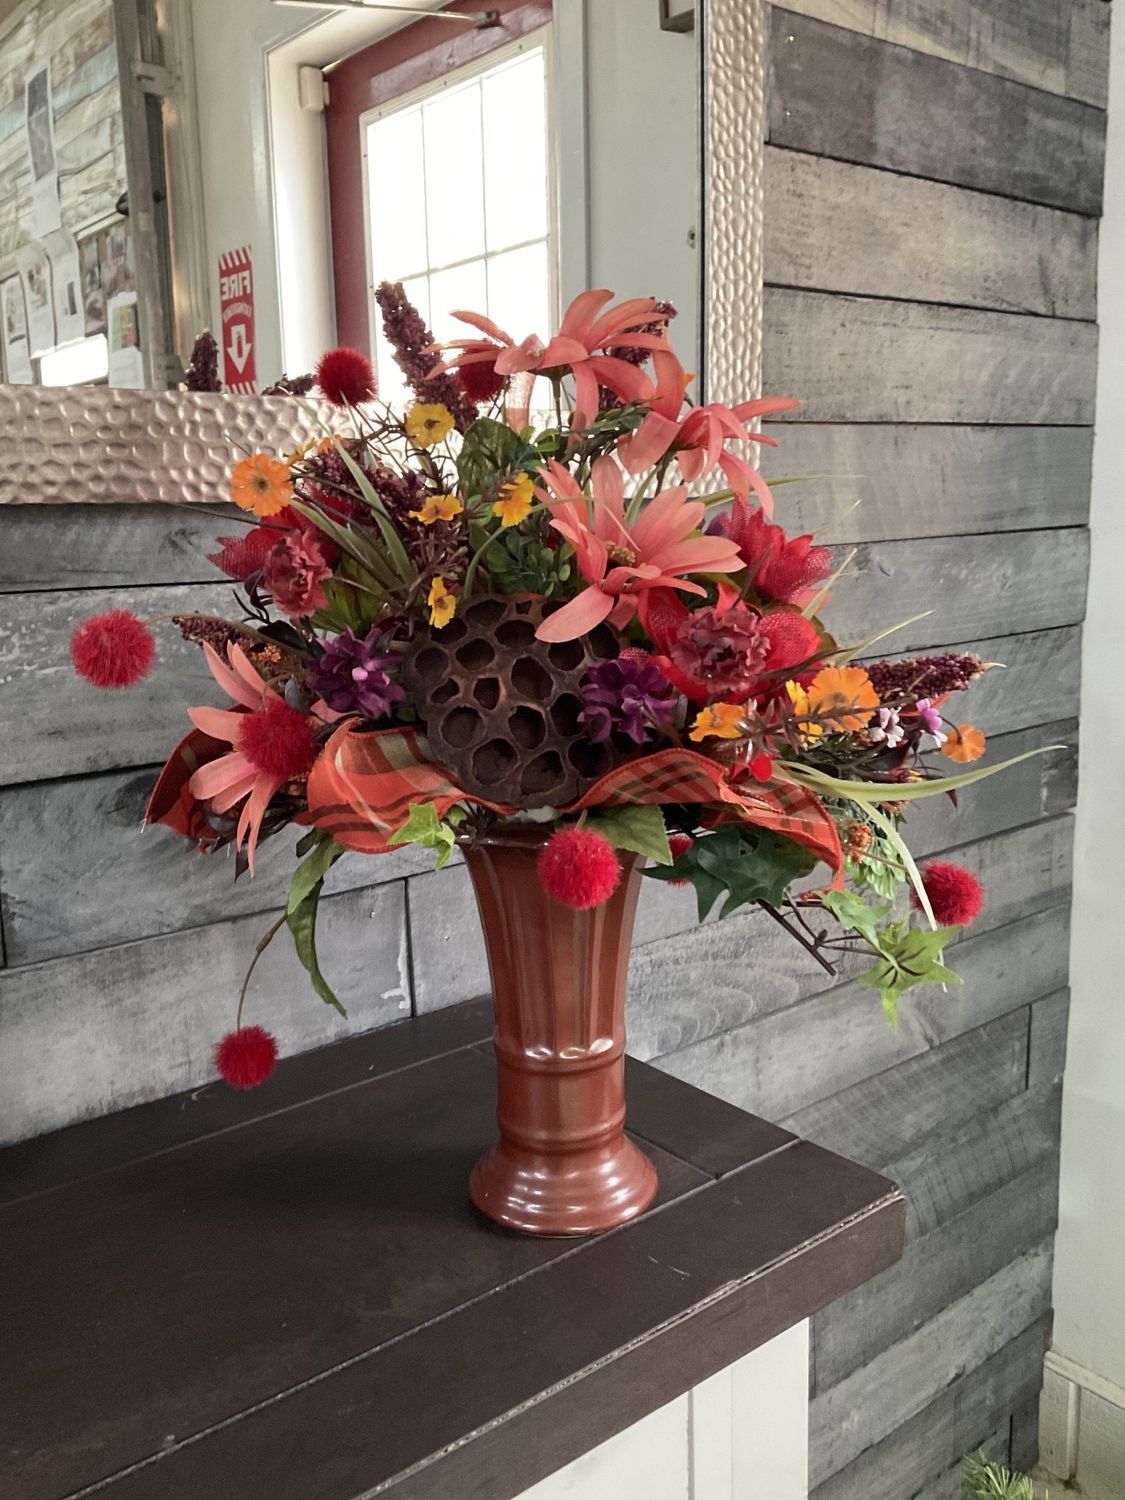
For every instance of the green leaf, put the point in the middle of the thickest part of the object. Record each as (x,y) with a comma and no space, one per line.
(909,956)
(425,828)
(398,554)
(308,841)
(640,829)
(301,910)
(853,912)
(745,864)
(486,450)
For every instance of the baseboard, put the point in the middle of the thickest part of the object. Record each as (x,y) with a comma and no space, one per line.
(1082,1428)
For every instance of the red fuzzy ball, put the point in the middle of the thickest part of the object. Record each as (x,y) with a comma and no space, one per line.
(113,650)
(479,381)
(345,377)
(278,741)
(579,867)
(679,843)
(246,1057)
(956,895)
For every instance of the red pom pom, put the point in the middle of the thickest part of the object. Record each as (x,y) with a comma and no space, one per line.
(278,741)
(246,1057)
(679,843)
(113,650)
(479,381)
(345,376)
(579,867)
(955,893)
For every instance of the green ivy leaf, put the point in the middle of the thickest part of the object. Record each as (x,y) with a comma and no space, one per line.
(852,911)
(639,829)
(744,864)
(301,911)
(909,956)
(487,448)
(425,828)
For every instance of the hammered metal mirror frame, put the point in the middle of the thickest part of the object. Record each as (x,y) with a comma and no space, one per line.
(733,91)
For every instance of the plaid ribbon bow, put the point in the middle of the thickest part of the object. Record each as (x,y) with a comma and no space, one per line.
(365,782)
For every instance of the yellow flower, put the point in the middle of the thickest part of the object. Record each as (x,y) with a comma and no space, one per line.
(846,695)
(800,701)
(428,424)
(438,508)
(298,453)
(514,504)
(261,484)
(723,721)
(443,604)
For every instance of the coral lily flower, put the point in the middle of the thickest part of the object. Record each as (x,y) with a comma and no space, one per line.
(698,437)
(583,345)
(620,558)
(280,744)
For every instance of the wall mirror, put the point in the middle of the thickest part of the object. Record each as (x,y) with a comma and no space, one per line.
(257,167)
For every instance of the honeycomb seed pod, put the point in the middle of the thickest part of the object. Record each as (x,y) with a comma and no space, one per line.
(501,707)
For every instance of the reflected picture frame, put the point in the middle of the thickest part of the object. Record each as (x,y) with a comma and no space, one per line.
(677,15)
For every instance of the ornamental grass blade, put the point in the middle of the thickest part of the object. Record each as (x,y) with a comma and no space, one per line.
(812,609)
(866,792)
(895,839)
(395,548)
(357,547)
(849,653)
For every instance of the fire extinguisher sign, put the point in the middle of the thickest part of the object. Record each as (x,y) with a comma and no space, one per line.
(236,297)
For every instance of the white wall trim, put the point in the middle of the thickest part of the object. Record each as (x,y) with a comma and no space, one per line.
(1082,1428)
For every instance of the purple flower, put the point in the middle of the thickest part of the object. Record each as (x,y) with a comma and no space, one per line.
(931,721)
(885,729)
(352,676)
(628,695)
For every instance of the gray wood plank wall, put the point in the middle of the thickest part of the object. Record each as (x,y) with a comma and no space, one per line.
(933,179)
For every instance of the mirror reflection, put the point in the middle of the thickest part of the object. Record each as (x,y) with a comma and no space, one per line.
(258,168)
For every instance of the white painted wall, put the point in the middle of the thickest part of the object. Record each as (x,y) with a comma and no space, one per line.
(626,110)
(1089,1332)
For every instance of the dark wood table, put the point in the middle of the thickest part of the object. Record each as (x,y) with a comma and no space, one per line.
(285,1295)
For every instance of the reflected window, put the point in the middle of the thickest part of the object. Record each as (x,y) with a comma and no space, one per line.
(458,202)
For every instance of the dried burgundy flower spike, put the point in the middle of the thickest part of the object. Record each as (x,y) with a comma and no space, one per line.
(925,676)
(413,346)
(203,366)
(113,650)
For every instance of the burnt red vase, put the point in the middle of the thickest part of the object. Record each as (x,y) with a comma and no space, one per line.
(563,1164)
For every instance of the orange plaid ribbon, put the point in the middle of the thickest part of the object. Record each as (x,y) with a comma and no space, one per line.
(364,784)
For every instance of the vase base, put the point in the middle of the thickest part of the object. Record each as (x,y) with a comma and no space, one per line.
(560,1196)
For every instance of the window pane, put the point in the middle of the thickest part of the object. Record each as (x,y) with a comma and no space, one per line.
(392,387)
(519,291)
(515,152)
(396,195)
(462,287)
(454,175)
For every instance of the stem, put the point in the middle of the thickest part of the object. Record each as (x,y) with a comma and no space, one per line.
(809,948)
(263,944)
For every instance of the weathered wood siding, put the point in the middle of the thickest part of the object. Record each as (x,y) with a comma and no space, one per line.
(933,181)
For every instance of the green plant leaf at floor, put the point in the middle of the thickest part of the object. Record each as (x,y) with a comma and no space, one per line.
(987,1481)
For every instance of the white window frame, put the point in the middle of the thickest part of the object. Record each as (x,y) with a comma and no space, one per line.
(541,38)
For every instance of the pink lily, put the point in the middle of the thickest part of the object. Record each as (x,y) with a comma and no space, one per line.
(698,436)
(232,777)
(620,558)
(583,345)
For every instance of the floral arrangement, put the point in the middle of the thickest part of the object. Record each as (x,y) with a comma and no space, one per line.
(578,612)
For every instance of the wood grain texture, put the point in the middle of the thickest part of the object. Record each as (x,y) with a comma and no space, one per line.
(837,227)
(895,1385)
(936,1271)
(928,480)
(1046,1057)
(102,1031)
(836,93)
(1061,48)
(65,844)
(957,1422)
(842,1036)
(57,547)
(866,359)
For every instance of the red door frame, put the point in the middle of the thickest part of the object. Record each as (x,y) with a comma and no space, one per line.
(418,54)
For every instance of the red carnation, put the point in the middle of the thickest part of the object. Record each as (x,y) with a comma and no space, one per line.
(246,1057)
(240,556)
(113,650)
(345,377)
(579,867)
(278,741)
(956,895)
(293,573)
(480,381)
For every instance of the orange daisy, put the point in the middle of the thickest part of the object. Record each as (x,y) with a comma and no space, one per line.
(261,484)
(844,695)
(964,744)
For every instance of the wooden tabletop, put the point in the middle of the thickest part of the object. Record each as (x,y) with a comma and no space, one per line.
(285,1295)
